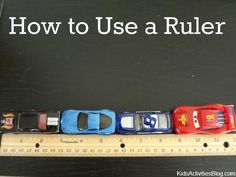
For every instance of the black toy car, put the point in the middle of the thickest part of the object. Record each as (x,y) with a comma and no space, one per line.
(30,121)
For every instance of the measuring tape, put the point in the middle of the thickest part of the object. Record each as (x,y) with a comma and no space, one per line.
(61,145)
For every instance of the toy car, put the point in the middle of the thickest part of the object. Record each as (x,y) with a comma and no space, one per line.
(207,119)
(30,121)
(88,121)
(144,122)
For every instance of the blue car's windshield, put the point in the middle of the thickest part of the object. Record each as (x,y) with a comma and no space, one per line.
(82,121)
(105,121)
(138,122)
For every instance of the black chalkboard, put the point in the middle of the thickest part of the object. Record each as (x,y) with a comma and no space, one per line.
(124,73)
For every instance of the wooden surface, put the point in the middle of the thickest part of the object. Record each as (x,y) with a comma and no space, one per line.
(124,73)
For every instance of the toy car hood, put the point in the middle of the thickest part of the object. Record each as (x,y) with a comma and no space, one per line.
(125,122)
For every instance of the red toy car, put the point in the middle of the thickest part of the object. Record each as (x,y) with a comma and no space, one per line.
(207,119)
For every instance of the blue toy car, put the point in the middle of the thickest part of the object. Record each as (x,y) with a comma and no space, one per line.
(88,121)
(144,122)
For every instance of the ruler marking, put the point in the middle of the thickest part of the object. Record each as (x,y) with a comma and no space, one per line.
(116,145)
